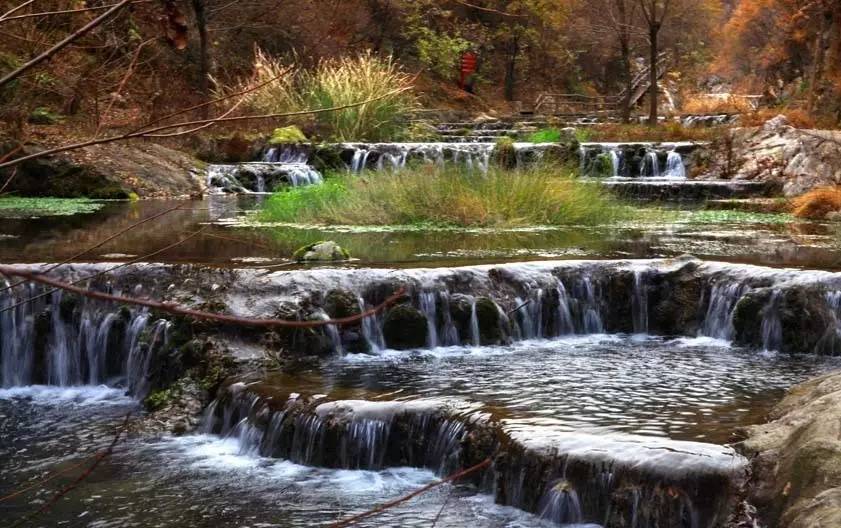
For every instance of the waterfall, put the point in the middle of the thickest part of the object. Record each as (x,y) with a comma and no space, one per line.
(639,303)
(674,166)
(561,505)
(651,166)
(59,340)
(616,161)
(260,177)
(723,297)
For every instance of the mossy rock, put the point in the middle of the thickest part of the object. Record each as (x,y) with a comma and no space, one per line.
(287,136)
(491,329)
(405,328)
(322,251)
(505,154)
(341,303)
(603,165)
(44,116)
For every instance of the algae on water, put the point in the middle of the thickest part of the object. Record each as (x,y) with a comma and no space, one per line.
(18,206)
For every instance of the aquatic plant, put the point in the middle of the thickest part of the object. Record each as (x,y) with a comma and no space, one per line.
(17,206)
(447,196)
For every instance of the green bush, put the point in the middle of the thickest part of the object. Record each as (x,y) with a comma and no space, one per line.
(446,196)
(546,135)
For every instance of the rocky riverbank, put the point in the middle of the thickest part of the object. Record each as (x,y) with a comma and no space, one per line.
(110,171)
(796,458)
(794,160)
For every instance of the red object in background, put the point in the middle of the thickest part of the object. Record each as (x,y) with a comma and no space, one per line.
(468,67)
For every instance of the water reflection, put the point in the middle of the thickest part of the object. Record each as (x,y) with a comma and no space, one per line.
(812,245)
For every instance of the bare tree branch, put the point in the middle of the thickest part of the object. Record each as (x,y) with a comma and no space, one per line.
(67,11)
(14,10)
(63,44)
(33,276)
(147,133)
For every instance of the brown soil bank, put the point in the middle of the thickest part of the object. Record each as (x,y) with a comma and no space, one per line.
(112,171)
(796,458)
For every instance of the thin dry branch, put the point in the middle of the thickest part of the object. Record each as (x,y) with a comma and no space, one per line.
(488,9)
(148,132)
(172,308)
(63,44)
(68,11)
(100,243)
(383,507)
(5,16)
(109,270)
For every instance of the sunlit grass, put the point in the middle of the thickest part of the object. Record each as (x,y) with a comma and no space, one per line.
(437,196)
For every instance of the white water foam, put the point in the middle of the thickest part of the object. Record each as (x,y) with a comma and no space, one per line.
(77,395)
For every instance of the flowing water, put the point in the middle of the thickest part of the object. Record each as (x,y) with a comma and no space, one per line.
(564,377)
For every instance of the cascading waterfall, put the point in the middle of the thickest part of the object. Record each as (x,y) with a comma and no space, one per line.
(639,303)
(651,165)
(260,177)
(52,340)
(723,297)
(674,166)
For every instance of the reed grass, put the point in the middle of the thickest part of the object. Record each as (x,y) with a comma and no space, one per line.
(336,82)
(445,196)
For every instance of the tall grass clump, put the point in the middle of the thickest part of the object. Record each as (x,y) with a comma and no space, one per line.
(818,204)
(335,83)
(445,196)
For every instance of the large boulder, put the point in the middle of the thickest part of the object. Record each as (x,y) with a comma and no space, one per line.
(796,458)
(795,160)
(795,320)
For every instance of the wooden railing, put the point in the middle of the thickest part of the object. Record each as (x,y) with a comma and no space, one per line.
(559,104)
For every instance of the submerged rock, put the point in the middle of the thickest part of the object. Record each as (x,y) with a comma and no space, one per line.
(324,251)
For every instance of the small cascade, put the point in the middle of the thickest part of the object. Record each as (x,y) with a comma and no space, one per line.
(340,434)
(260,177)
(57,340)
(674,166)
(771,328)
(639,303)
(561,477)
(651,166)
(722,299)
(635,160)
(561,505)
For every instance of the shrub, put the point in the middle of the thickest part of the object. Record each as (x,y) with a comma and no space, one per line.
(335,83)
(818,203)
(446,196)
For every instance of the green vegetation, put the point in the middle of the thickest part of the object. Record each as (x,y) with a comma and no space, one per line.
(738,217)
(287,135)
(15,206)
(44,116)
(438,196)
(335,83)
(545,135)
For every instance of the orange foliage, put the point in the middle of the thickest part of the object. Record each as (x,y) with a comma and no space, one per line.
(818,203)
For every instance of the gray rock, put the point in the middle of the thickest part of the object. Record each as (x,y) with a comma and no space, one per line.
(324,251)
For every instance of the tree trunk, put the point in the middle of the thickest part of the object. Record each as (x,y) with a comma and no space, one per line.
(204,53)
(511,69)
(652,75)
(816,75)
(629,81)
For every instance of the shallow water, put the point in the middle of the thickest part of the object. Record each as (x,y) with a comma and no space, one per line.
(767,240)
(685,389)
(198,480)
